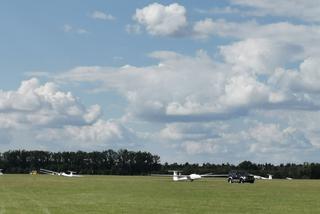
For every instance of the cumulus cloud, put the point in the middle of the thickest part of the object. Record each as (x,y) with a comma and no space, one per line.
(208,27)
(188,132)
(270,138)
(43,113)
(99,135)
(182,91)
(35,104)
(261,56)
(265,71)
(283,32)
(304,79)
(169,92)
(171,20)
(153,91)
(257,141)
(162,20)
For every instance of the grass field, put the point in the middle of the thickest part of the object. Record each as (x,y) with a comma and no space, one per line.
(126,194)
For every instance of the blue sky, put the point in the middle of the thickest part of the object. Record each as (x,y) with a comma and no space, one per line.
(197,81)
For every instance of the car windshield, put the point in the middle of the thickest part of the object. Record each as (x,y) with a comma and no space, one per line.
(243,173)
(238,173)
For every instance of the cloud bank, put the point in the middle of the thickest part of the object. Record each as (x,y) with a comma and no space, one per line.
(169,91)
(255,97)
(52,119)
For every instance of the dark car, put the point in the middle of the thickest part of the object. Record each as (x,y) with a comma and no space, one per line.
(240,177)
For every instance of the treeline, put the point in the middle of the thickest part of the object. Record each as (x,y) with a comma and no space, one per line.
(290,170)
(124,162)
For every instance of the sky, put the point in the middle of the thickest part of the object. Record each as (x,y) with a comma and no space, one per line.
(191,81)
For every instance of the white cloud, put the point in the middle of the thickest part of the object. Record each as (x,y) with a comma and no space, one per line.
(271,139)
(279,31)
(101,15)
(255,141)
(243,91)
(45,105)
(270,45)
(162,20)
(264,72)
(169,92)
(100,134)
(304,80)
(261,56)
(188,132)
(152,91)
(42,116)
(171,20)
(208,27)
(307,10)
(182,90)
(308,122)
(196,147)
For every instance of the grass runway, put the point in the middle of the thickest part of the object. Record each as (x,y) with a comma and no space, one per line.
(135,194)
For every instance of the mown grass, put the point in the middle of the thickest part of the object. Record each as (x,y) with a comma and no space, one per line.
(133,194)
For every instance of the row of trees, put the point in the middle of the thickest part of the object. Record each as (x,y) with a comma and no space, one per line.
(124,162)
(297,171)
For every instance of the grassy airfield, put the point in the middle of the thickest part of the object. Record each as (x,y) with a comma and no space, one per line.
(126,194)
